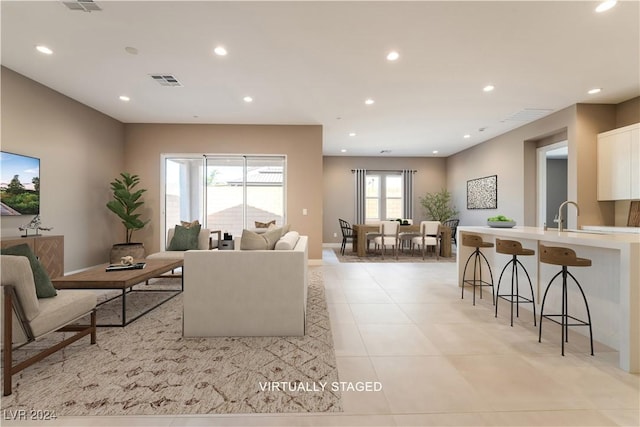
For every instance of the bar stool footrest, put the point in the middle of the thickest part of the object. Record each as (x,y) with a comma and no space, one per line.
(470,282)
(514,298)
(582,322)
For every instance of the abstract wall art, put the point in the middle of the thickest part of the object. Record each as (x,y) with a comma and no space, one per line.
(482,193)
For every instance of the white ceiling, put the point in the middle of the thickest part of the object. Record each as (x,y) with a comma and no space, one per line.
(316,63)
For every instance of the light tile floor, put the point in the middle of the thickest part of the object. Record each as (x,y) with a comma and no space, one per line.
(442,361)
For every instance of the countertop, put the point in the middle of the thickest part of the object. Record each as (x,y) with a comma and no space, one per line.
(579,237)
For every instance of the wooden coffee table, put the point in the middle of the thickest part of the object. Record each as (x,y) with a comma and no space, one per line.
(124,280)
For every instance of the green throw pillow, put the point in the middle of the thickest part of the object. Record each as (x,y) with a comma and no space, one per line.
(184,238)
(44,287)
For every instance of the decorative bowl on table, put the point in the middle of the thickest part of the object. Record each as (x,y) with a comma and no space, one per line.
(500,221)
(501,224)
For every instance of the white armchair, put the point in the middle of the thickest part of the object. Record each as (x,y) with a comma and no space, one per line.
(26,317)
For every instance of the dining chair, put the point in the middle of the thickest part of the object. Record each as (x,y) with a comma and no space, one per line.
(453,225)
(347,234)
(429,236)
(405,237)
(388,237)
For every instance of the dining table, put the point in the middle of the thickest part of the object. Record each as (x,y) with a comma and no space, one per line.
(360,237)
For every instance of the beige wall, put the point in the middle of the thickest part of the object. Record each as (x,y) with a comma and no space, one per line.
(512,157)
(628,112)
(592,119)
(80,151)
(339,185)
(144,144)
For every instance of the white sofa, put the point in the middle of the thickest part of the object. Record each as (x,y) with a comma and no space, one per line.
(246,292)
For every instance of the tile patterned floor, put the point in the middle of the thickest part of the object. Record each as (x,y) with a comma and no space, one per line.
(442,361)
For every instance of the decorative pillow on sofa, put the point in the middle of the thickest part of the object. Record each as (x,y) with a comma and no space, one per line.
(44,287)
(288,241)
(184,238)
(252,241)
(187,224)
(265,224)
(272,236)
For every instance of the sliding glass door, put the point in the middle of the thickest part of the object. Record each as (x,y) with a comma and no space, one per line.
(183,191)
(225,192)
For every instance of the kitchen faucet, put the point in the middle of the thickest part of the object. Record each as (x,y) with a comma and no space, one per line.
(560,226)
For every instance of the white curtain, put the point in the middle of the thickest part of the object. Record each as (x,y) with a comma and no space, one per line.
(360,183)
(407,196)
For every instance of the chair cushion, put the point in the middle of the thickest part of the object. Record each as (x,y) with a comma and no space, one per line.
(184,238)
(44,287)
(16,271)
(428,240)
(66,307)
(388,240)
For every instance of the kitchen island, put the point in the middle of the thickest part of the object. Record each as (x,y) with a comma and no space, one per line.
(611,284)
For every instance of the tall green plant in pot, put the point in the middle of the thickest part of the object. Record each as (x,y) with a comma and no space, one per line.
(438,206)
(126,201)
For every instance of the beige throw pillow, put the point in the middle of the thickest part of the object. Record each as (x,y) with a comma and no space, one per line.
(265,224)
(272,237)
(187,224)
(251,241)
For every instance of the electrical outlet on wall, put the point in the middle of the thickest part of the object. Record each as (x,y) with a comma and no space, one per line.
(335,234)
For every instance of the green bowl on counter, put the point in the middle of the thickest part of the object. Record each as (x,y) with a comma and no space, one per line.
(501,224)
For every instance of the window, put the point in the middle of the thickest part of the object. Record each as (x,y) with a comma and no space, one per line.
(383,196)
(227,193)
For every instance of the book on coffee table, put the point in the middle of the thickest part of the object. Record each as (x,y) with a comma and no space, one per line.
(119,267)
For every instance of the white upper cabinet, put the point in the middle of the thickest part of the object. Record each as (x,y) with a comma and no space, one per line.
(619,163)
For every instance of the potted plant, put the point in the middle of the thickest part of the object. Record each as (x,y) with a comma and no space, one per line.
(438,206)
(126,201)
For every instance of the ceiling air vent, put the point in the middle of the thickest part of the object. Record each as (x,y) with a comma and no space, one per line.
(528,115)
(83,5)
(166,80)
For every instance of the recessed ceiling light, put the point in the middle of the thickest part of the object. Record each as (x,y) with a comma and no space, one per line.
(125,98)
(594,91)
(393,55)
(467,136)
(352,134)
(131,50)
(220,51)
(606,5)
(488,88)
(369,101)
(44,49)
(248,99)
(343,151)
(435,152)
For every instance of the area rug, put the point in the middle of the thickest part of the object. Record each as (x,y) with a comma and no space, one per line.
(388,257)
(148,368)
